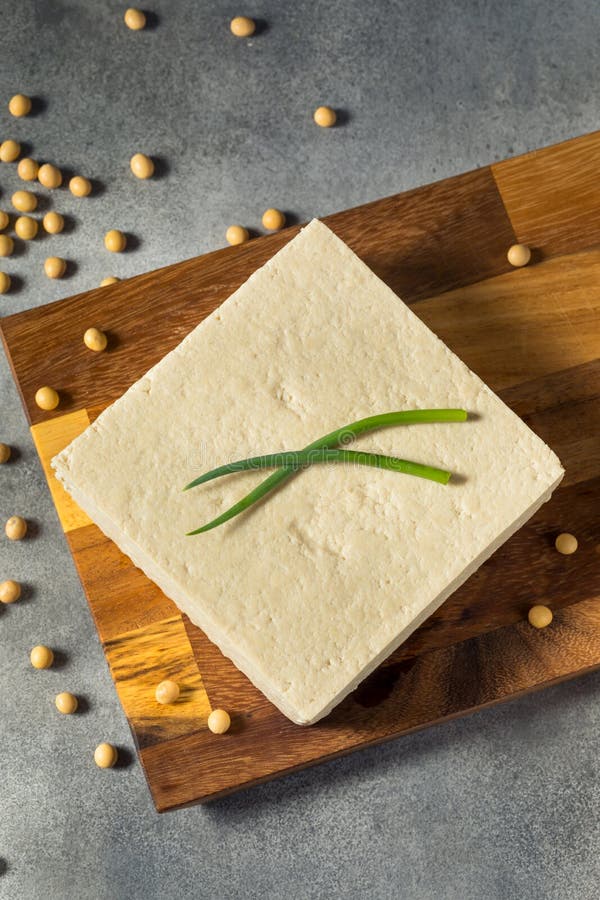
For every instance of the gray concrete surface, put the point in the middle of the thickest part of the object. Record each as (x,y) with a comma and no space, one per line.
(502,805)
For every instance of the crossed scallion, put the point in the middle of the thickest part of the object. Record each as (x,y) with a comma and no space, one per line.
(327,450)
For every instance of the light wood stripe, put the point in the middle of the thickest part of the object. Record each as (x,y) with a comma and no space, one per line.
(553,195)
(524,324)
(141,659)
(50,438)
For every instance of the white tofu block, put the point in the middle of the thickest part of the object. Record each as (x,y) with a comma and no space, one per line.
(311,589)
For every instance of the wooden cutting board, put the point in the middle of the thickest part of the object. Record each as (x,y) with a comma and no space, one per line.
(532,334)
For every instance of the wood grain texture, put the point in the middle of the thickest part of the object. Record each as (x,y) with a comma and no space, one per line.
(525,324)
(141,659)
(532,334)
(121,598)
(553,195)
(398,698)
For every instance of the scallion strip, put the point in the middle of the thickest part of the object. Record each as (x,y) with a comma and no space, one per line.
(303,458)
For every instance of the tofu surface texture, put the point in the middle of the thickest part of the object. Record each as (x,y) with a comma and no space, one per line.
(310,590)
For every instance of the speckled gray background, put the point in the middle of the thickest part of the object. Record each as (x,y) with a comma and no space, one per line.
(504,804)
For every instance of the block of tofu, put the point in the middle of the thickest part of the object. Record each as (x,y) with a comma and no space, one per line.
(310,590)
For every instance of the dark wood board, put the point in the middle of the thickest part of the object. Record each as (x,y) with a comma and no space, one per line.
(531,334)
